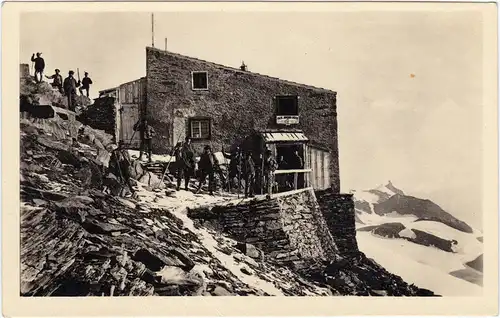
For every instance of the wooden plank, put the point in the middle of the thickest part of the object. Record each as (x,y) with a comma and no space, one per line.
(326,170)
(286,193)
(312,164)
(292,171)
(320,171)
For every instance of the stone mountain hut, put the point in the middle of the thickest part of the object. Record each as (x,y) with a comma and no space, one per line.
(222,106)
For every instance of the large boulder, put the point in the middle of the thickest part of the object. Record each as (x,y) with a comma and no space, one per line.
(136,170)
(250,250)
(151,181)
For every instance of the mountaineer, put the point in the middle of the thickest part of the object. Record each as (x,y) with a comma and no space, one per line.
(269,167)
(296,162)
(86,82)
(39,66)
(207,166)
(70,84)
(234,166)
(57,80)
(184,163)
(147,133)
(248,169)
(259,182)
(119,165)
(282,180)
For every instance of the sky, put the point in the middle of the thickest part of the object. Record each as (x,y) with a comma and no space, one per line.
(409,84)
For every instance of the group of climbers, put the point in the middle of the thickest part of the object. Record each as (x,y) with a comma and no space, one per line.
(242,166)
(68,87)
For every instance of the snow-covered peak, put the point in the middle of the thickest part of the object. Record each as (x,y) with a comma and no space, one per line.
(377,194)
(388,189)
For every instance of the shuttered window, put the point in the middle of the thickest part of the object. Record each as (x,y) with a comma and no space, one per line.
(200,80)
(200,128)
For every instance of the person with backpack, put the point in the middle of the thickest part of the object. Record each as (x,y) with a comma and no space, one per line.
(235,159)
(207,166)
(184,163)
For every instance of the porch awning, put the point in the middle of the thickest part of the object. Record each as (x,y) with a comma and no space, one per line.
(284,136)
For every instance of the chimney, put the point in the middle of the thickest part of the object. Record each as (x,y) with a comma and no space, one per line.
(243,66)
(165,44)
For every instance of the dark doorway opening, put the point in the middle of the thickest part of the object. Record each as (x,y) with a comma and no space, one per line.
(290,157)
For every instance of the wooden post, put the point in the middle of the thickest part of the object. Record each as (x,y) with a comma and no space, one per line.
(270,183)
(295,180)
(152,29)
(262,171)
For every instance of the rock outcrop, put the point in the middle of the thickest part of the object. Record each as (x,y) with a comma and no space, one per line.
(34,94)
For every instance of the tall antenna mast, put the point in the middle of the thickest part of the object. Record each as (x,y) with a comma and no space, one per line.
(152,29)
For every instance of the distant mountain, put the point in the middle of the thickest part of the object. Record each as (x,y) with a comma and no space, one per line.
(401,232)
(422,208)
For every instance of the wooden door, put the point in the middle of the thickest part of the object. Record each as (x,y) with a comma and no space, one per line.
(129,116)
(319,161)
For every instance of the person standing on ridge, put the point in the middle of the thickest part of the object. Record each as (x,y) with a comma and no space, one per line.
(296,162)
(39,66)
(147,133)
(70,84)
(207,166)
(57,80)
(234,167)
(269,168)
(248,169)
(184,161)
(282,179)
(86,82)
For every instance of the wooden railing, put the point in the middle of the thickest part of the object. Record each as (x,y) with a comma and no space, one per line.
(295,173)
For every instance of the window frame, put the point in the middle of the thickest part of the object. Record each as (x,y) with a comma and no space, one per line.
(192,80)
(200,119)
(276,104)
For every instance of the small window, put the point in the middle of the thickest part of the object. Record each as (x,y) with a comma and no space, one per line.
(200,128)
(200,80)
(287,106)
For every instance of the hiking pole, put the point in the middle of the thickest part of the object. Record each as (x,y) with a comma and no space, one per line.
(133,134)
(166,168)
(169,160)
(130,140)
(239,178)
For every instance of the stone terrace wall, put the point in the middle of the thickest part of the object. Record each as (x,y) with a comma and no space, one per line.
(102,115)
(290,230)
(236,101)
(303,221)
(338,211)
